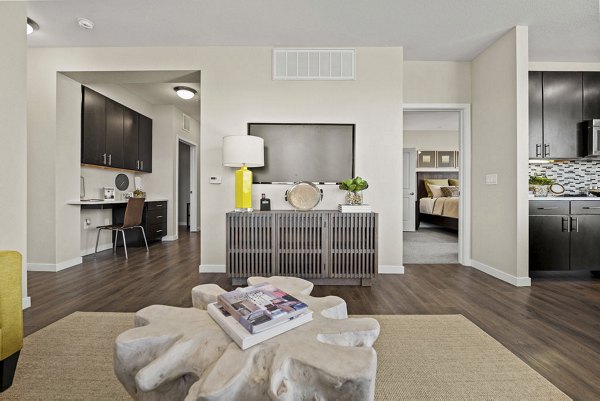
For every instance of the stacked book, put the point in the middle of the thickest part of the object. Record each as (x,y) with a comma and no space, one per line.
(354,208)
(254,314)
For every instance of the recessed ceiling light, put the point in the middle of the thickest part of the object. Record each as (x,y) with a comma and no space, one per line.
(185,92)
(31,26)
(85,23)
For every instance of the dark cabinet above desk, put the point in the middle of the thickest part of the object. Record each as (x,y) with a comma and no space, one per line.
(113,135)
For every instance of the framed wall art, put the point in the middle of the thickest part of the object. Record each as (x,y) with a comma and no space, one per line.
(426,158)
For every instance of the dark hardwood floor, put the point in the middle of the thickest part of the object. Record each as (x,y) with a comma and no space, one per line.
(554,325)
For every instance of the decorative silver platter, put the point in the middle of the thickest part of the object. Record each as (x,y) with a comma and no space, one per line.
(304,195)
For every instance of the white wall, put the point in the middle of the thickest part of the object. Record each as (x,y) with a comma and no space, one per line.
(13,133)
(437,82)
(499,146)
(231,97)
(431,140)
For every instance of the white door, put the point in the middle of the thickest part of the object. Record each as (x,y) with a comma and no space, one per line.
(409,188)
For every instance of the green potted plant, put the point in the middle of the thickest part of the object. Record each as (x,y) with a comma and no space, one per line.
(540,184)
(354,187)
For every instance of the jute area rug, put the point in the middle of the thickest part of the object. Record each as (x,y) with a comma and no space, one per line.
(419,358)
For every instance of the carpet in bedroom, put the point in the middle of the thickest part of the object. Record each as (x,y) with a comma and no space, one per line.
(430,244)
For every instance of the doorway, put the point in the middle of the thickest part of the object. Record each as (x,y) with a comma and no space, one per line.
(187,196)
(436,155)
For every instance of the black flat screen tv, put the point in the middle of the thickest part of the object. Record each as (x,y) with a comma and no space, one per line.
(320,153)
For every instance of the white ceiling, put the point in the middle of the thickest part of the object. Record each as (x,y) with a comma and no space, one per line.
(431,121)
(559,30)
(155,87)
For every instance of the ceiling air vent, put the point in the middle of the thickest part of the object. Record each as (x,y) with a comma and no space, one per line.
(314,64)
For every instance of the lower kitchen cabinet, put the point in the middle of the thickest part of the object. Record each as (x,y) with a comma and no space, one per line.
(549,243)
(564,235)
(154,221)
(585,232)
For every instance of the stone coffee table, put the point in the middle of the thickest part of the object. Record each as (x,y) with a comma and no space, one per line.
(182,354)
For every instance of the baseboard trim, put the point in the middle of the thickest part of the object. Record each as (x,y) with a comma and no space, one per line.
(101,247)
(26,302)
(169,238)
(49,267)
(390,269)
(212,269)
(183,223)
(509,278)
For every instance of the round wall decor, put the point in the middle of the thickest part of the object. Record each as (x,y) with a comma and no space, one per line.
(122,182)
(304,195)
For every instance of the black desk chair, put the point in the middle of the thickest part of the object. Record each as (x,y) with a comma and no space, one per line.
(133,219)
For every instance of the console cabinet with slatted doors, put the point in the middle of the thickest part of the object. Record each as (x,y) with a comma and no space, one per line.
(325,247)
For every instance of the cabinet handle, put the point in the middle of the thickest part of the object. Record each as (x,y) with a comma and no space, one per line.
(591,207)
(138,165)
(565,220)
(538,150)
(159,217)
(548,208)
(159,231)
(142,164)
(159,205)
(546,150)
(104,159)
(110,160)
(576,219)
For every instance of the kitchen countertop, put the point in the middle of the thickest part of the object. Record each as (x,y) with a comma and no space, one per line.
(565,198)
(110,202)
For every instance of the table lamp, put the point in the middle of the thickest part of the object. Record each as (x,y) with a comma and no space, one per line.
(243,151)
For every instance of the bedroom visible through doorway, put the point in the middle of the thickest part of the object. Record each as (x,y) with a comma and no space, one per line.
(432,187)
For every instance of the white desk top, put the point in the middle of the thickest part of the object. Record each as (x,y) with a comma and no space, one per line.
(109,202)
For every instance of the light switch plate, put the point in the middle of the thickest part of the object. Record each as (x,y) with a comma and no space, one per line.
(491,179)
(215,179)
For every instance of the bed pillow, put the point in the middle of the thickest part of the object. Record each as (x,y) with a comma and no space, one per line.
(440,182)
(453,182)
(450,192)
(436,191)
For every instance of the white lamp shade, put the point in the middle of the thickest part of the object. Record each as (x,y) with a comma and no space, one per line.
(243,150)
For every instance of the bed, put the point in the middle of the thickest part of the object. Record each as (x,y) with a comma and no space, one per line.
(441,211)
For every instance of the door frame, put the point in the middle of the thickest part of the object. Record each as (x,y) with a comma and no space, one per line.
(413,153)
(193,183)
(464,172)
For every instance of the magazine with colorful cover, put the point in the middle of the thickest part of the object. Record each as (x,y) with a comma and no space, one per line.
(261,306)
(242,337)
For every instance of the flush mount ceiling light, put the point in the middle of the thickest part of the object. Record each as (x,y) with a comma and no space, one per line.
(85,23)
(185,92)
(31,26)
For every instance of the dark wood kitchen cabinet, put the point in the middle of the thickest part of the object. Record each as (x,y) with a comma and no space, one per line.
(564,235)
(93,128)
(154,221)
(549,235)
(130,138)
(562,111)
(113,135)
(591,95)
(536,139)
(145,144)
(585,232)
